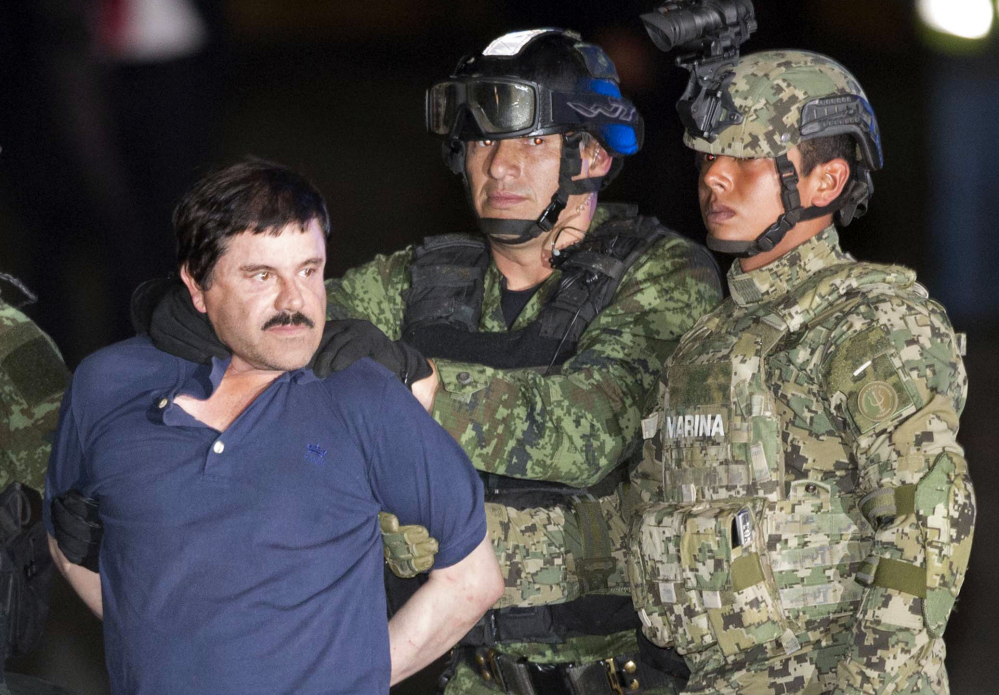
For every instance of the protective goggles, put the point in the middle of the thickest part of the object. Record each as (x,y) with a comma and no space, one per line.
(509,108)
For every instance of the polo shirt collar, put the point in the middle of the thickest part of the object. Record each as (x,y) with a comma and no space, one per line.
(201,380)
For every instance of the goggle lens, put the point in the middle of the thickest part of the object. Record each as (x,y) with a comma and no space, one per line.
(497,107)
(501,107)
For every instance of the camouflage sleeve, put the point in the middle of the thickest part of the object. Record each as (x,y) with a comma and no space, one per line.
(372,292)
(555,554)
(575,426)
(32,380)
(895,377)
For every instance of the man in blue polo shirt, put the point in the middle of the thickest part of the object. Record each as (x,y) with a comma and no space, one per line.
(241,549)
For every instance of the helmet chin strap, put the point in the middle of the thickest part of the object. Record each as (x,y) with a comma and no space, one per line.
(514,232)
(792,215)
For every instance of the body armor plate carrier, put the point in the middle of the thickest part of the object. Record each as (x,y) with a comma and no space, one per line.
(443,308)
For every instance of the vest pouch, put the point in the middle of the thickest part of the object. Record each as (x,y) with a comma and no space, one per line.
(704,570)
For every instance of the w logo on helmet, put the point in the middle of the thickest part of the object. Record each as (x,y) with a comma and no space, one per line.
(612,109)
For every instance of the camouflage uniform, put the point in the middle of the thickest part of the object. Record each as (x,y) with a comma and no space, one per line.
(32,379)
(821,402)
(572,427)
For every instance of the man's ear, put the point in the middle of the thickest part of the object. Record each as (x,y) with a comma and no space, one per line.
(830,179)
(197,294)
(600,161)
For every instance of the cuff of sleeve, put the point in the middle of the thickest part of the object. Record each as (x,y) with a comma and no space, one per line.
(454,403)
(462,378)
(457,549)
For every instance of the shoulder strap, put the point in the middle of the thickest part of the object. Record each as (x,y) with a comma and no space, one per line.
(592,270)
(446,282)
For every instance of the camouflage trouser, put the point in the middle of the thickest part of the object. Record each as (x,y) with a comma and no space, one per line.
(467,682)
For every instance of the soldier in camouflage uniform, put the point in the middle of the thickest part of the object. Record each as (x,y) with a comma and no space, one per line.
(545,397)
(803,514)
(807,512)
(32,379)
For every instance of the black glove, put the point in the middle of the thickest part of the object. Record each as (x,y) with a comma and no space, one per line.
(347,340)
(163,309)
(78,528)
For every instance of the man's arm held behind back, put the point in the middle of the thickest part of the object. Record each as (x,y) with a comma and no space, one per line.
(443,610)
(85,583)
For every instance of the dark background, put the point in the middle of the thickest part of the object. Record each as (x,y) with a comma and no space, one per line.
(97,148)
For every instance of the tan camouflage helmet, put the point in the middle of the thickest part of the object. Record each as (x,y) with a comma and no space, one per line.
(789,96)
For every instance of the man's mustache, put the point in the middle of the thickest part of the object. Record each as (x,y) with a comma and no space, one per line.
(286,319)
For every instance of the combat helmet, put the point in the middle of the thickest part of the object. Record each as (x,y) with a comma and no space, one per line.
(782,98)
(530,83)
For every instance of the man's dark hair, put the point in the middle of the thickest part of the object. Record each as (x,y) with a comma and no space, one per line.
(822,150)
(252,196)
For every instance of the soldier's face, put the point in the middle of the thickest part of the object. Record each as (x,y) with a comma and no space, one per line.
(515,178)
(266,300)
(740,198)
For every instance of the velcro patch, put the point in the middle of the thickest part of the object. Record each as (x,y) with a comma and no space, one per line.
(864,371)
(35,371)
(877,395)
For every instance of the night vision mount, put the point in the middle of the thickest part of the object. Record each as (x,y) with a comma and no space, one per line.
(709,33)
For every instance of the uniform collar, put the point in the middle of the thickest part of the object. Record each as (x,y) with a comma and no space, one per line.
(788,271)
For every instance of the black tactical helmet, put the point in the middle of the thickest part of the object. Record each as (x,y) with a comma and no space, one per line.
(530,83)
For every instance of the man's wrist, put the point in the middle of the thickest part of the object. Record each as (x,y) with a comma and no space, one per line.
(425,389)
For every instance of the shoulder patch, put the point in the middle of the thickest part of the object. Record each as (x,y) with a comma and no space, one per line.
(867,371)
(877,401)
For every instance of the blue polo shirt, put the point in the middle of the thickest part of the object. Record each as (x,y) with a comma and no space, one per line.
(250,560)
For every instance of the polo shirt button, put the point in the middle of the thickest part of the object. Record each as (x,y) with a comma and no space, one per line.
(163,403)
(464,378)
(218,448)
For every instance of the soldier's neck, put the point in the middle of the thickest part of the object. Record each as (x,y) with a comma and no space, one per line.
(523,266)
(799,234)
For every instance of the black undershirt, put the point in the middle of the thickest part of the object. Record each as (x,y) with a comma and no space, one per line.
(514,301)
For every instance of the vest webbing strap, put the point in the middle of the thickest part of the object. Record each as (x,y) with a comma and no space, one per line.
(596,563)
(893,574)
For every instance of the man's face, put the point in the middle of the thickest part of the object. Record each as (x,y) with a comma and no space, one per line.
(267,301)
(740,198)
(515,178)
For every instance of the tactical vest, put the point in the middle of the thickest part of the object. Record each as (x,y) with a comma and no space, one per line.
(444,305)
(441,319)
(734,555)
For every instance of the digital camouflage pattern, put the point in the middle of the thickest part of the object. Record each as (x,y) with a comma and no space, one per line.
(769,90)
(32,379)
(830,562)
(573,426)
(840,579)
